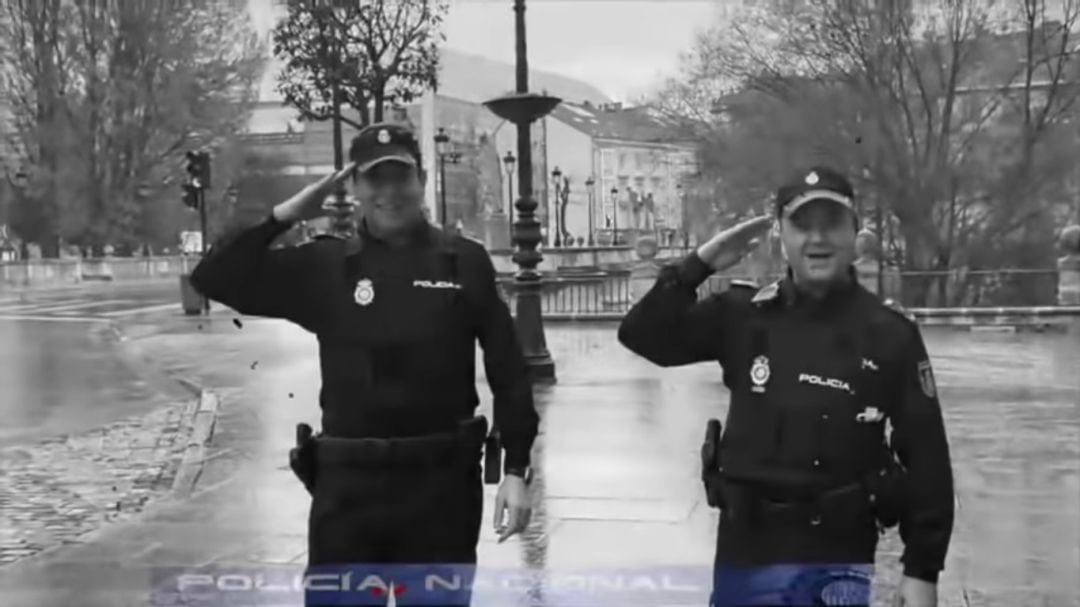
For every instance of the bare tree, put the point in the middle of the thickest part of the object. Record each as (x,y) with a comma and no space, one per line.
(380,52)
(110,94)
(950,114)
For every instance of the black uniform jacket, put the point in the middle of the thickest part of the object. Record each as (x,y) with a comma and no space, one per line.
(397,327)
(806,380)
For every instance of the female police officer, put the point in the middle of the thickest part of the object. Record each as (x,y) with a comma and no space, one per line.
(815,365)
(397,314)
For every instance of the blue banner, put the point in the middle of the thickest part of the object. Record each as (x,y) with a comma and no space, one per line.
(272,586)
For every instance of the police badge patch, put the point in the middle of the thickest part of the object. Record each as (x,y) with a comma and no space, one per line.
(926,379)
(759,373)
(365,292)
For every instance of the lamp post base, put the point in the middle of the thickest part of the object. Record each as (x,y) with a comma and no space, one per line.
(530,330)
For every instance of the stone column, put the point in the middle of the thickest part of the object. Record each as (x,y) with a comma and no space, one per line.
(1069,267)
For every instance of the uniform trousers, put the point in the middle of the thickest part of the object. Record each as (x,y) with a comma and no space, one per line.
(378,517)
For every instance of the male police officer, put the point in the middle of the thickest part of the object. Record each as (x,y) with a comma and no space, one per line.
(816,365)
(395,475)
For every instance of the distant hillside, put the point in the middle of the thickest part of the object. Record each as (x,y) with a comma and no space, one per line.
(477,79)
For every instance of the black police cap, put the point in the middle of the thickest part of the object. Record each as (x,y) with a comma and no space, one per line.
(818,183)
(383,142)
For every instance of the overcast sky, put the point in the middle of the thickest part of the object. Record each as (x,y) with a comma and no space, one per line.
(620,46)
(623,47)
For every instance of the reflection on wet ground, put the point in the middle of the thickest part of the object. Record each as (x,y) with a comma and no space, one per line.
(57,378)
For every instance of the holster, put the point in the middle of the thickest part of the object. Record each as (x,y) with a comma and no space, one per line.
(302,456)
(711,470)
(886,489)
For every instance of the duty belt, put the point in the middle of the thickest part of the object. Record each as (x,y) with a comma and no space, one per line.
(843,506)
(429,450)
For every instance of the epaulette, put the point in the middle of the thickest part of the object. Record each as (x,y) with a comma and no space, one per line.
(768,293)
(895,306)
(744,284)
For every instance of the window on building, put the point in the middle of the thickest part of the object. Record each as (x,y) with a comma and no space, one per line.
(608,162)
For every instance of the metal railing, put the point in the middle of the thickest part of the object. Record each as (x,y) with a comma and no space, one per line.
(584,295)
(612,293)
(975,288)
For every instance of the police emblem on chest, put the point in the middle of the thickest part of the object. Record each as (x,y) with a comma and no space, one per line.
(759,373)
(365,292)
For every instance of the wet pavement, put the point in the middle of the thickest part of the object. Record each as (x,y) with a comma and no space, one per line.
(616,468)
(91,433)
(60,378)
(91,302)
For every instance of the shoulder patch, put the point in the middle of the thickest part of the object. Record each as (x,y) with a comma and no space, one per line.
(768,293)
(893,305)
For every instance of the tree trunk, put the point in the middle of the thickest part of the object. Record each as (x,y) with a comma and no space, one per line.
(920,258)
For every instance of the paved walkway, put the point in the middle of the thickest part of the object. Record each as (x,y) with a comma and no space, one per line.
(616,466)
(89,434)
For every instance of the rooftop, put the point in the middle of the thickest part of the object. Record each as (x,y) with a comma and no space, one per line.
(613,121)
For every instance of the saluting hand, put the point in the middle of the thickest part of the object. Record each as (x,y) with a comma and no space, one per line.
(308,202)
(731,245)
(512,508)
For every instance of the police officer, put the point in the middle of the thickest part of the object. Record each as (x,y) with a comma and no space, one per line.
(395,474)
(806,476)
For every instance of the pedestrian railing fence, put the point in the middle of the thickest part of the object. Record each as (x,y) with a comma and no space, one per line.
(612,293)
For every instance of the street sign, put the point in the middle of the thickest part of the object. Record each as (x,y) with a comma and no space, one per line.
(191,242)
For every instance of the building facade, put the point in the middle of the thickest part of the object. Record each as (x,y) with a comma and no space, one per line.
(623,168)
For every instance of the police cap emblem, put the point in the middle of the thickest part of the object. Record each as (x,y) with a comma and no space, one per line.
(812,178)
(383,136)
(759,373)
(365,292)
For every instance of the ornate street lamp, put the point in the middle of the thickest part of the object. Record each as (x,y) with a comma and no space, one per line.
(509,161)
(589,183)
(524,108)
(442,145)
(614,217)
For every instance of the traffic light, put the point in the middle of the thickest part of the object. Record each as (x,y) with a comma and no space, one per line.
(198,168)
(191,196)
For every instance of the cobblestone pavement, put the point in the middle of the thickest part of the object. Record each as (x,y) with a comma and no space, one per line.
(55,491)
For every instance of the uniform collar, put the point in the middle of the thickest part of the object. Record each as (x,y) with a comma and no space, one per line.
(420,234)
(793,298)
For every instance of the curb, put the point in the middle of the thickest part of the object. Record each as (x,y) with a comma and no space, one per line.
(202,416)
